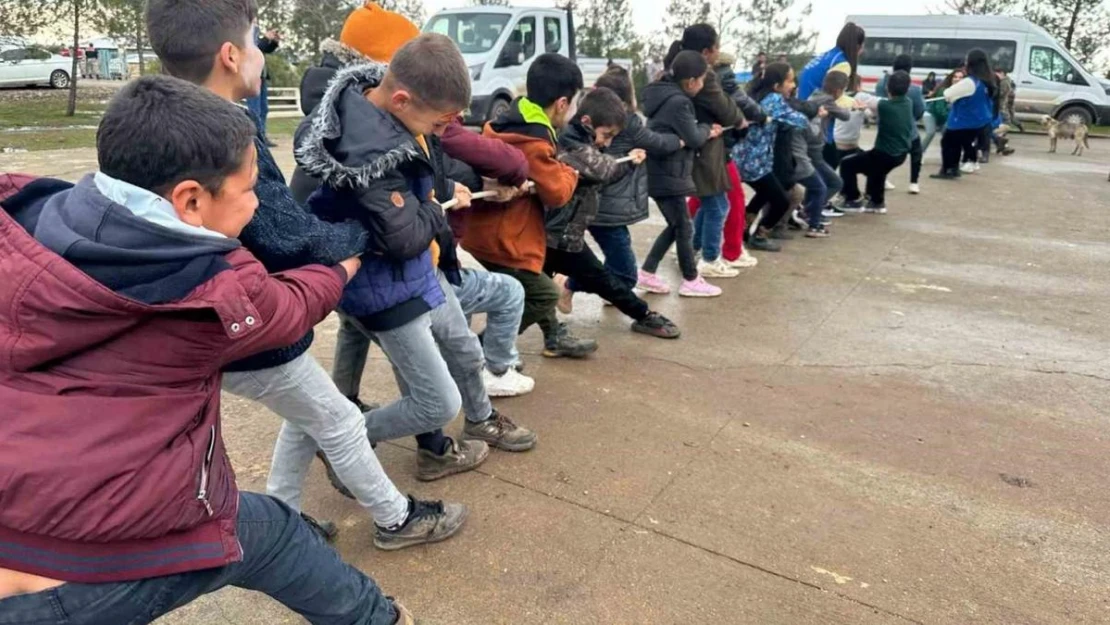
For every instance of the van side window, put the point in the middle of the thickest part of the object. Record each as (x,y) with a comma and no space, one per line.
(553,35)
(937,52)
(525,34)
(1050,65)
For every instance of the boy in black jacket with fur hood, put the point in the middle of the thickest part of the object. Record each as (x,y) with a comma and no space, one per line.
(600,117)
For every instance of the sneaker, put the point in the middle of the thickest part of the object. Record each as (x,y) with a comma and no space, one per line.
(780,232)
(324,529)
(716,269)
(658,326)
(461,456)
(798,221)
(968,168)
(818,233)
(890,186)
(652,283)
(763,244)
(699,288)
(977,167)
(915,189)
(952,174)
(427,522)
(404,617)
(508,384)
(565,304)
(852,206)
(832,212)
(499,431)
(745,261)
(566,345)
(875,209)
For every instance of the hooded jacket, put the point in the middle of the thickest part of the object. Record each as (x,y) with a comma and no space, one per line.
(727,75)
(566,225)
(625,200)
(671,112)
(713,106)
(375,171)
(514,234)
(112,336)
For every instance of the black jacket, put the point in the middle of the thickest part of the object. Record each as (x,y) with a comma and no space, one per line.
(625,200)
(713,106)
(671,112)
(566,226)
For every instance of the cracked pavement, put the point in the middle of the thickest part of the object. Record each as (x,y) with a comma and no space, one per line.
(906,423)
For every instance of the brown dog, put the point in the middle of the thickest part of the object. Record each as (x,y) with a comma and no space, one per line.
(1065,130)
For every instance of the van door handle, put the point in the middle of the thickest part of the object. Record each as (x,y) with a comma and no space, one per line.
(1027,82)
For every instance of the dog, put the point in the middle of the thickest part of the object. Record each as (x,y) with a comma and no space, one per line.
(1066,130)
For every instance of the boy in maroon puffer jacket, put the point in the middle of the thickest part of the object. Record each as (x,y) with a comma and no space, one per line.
(126,295)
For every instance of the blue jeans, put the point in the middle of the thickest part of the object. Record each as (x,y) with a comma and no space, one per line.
(833,183)
(260,105)
(709,225)
(282,557)
(620,259)
(817,194)
(501,297)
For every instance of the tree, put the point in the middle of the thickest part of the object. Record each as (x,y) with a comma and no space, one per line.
(23,17)
(412,9)
(313,21)
(774,27)
(123,21)
(979,7)
(606,28)
(683,13)
(1082,26)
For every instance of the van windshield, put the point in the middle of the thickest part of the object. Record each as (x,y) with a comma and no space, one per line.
(473,32)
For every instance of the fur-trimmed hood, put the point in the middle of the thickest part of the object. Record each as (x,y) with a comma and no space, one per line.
(345,54)
(347,141)
(334,56)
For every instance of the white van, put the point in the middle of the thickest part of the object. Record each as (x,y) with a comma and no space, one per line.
(1048,80)
(499,44)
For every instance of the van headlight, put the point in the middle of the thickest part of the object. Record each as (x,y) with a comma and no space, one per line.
(476,71)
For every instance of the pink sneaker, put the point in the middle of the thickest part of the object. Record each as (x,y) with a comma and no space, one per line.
(652,283)
(699,288)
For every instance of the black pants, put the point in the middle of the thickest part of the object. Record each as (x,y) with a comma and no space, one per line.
(983,143)
(875,165)
(916,156)
(591,276)
(769,191)
(835,156)
(957,143)
(679,232)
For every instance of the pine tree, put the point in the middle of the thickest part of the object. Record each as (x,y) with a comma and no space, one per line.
(1081,26)
(774,27)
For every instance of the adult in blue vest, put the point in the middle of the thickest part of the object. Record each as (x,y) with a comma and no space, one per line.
(843,58)
(973,106)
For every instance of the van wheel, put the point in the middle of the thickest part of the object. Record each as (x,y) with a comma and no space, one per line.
(59,79)
(499,107)
(1076,115)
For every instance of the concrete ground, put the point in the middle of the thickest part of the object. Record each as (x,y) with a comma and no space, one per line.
(906,423)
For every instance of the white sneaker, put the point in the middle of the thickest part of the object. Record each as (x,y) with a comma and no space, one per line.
(716,269)
(510,384)
(968,168)
(977,166)
(746,261)
(890,186)
(915,189)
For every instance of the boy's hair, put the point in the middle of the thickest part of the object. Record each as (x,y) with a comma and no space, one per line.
(604,108)
(159,131)
(553,76)
(688,64)
(619,82)
(898,84)
(188,34)
(903,62)
(433,70)
(835,82)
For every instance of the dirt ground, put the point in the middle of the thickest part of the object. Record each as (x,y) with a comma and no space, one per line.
(906,423)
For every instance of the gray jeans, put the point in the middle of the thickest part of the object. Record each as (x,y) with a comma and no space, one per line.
(499,296)
(438,364)
(317,416)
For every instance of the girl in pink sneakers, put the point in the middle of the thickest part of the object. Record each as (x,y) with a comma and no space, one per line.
(670,110)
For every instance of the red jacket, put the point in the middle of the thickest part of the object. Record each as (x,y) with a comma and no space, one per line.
(112,462)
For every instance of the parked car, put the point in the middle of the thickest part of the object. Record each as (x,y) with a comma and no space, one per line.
(1047,79)
(32,65)
(499,44)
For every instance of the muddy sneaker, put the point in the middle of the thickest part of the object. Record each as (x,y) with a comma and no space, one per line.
(499,431)
(780,232)
(565,304)
(427,522)
(716,269)
(404,617)
(461,456)
(566,345)
(324,529)
(763,244)
(951,174)
(818,233)
(875,209)
(699,288)
(658,326)
(512,383)
(745,261)
(652,284)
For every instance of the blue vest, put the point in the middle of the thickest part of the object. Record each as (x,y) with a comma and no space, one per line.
(813,76)
(973,112)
